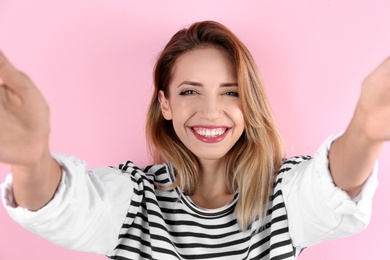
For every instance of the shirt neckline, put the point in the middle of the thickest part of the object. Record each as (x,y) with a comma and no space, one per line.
(217,212)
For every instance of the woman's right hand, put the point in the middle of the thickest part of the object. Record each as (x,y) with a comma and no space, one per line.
(24,138)
(24,118)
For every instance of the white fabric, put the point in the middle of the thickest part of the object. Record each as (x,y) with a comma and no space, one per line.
(89,207)
(317,209)
(86,212)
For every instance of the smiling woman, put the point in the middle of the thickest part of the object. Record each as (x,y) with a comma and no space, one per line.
(206,117)
(220,187)
(213,57)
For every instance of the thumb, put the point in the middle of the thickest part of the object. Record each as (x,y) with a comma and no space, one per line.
(11,76)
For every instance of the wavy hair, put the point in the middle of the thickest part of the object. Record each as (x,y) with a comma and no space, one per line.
(253,161)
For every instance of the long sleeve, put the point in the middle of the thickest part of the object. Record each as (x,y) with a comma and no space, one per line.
(317,209)
(87,211)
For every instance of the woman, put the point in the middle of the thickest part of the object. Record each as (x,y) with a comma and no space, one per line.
(220,188)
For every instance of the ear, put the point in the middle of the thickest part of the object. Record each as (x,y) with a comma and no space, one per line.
(164,105)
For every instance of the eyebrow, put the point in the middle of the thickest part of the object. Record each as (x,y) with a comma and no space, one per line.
(197,84)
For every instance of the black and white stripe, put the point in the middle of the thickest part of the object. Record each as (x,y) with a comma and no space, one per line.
(167,225)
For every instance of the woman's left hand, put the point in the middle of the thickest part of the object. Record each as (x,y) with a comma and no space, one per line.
(352,156)
(373,109)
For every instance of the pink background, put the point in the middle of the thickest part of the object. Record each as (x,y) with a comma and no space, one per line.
(93,62)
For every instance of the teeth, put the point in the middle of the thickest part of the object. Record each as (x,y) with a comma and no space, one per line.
(206,132)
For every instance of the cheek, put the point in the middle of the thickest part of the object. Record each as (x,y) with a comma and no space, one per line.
(181,108)
(239,118)
(236,113)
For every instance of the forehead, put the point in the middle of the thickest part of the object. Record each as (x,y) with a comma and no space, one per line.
(204,62)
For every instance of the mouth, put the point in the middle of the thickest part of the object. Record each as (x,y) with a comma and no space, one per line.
(210,134)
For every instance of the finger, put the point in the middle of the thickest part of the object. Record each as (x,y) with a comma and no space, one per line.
(2,93)
(11,76)
(1,82)
(385,65)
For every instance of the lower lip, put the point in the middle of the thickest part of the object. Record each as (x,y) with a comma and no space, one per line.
(210,139)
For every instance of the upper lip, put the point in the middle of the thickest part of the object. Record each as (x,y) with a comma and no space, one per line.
(209,126)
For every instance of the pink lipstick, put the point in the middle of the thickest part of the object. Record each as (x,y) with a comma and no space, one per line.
(210,134)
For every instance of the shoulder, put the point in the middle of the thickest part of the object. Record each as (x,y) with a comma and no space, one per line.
(291,163)
(154,174)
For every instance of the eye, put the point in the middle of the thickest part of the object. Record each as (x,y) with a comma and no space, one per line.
(188,92)
(232,93)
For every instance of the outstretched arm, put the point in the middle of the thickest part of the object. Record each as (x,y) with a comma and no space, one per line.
(78,209)
(24,138)
(353,155)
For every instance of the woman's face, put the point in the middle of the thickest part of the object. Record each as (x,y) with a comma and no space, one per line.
(203,103)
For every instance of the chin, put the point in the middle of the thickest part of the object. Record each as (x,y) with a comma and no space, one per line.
(209,156)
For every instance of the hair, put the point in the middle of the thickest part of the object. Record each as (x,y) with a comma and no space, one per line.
(253,161)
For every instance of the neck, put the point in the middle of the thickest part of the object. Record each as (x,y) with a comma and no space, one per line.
(211,190)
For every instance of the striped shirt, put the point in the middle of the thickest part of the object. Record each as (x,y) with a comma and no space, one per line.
(167,225)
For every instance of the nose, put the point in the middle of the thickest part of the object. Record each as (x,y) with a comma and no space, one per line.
(210,108)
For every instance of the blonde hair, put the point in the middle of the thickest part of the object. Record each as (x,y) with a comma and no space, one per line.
(255,158)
